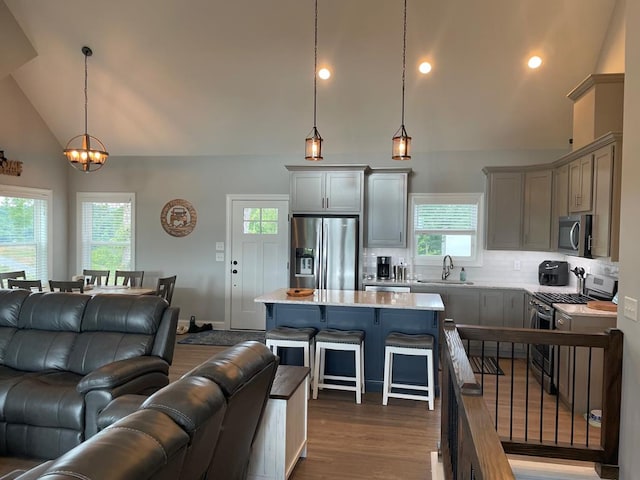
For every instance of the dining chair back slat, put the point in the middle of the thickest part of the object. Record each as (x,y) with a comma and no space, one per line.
(165,287)
(7,275)
(96,277)
(25,284)
(66,286)
(131,278)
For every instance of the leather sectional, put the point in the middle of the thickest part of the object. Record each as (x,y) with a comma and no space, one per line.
(65,356)
(201,426)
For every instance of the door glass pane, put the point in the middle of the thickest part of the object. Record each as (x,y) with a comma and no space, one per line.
(259,221)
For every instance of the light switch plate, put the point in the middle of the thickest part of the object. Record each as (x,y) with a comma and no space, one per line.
(219,257)
(220,246)
(631,308)
(516,264)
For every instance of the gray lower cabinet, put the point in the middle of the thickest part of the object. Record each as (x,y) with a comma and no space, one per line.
(492,307)
(585,391)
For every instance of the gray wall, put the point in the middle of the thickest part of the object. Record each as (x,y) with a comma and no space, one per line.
(205,182)
(25,137)
(629,257)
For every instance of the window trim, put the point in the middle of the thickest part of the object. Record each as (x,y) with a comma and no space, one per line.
(105,197)
(444,198)
(36,194)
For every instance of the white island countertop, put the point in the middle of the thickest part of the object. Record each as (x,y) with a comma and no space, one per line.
(358,298)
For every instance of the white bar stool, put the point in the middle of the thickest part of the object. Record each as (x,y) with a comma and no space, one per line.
(408,344)
(290,337)
(342,340)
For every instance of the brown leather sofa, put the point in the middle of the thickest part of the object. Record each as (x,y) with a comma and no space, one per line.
(199,427)
(65,356)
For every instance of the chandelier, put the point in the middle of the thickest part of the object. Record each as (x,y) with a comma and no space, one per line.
(84,152)
(401,148)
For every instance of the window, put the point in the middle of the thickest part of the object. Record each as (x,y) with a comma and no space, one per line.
(446,224)
(260,221)
(106,227)
(25,223)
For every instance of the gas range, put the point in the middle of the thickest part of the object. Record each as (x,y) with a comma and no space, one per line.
(573,298)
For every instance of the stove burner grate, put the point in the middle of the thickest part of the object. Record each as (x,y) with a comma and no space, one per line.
(572,298)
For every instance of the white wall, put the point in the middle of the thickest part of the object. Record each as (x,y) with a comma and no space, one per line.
(25,137)
(629,257)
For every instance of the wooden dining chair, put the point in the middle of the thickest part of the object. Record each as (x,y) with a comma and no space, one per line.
(96,277)
(7,275)
(165,287)
(66,286)
(132,278)
(24,284)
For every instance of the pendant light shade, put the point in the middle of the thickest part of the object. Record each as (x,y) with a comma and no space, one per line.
(401,147)
(313,142)
(84,152)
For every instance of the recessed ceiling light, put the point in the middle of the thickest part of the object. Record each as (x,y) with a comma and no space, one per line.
(324,73)
(534,62)
(425,67)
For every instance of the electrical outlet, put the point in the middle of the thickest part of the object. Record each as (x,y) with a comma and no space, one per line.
(220,246)
(219,257)
(631,308)
(516,264)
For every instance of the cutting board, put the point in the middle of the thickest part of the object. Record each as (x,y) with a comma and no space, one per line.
(601,305)
(300,292)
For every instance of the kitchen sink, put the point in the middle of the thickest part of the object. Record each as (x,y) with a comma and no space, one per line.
(444,282)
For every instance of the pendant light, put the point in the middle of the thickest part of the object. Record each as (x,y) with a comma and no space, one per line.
(313,143)
(84,152)
(401,148)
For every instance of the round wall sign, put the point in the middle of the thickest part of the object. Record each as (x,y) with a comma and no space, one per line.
(178,218)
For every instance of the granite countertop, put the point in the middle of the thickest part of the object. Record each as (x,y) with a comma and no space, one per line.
(528,287)
(532,288)
(359,298)
(582,311)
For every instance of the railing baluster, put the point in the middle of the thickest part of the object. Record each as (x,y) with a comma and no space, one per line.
(558,368)
(526,394)
(572,352)
(586,442)
(513,369)
(497,382)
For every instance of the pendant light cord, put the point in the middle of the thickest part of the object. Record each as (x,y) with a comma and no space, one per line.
(315,63)
(86,101)
(404,52)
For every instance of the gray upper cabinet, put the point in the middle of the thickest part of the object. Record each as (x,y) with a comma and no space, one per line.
(536,225)
(320,190)
(580,184)
(386,209)
(504,210)
(560,206)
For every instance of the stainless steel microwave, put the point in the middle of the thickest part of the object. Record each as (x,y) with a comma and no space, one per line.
(574,235)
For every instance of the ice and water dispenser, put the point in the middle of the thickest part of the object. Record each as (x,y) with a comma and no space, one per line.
(305,261)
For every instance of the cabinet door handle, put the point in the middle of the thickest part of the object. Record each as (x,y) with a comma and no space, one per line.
(322,202)
(327,202)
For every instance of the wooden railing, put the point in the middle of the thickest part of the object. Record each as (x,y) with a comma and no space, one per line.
(473,446)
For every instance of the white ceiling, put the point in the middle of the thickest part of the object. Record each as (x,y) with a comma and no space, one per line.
(207,77)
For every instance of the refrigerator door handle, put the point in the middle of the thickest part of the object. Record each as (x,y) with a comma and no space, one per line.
(318,260)
(325,245)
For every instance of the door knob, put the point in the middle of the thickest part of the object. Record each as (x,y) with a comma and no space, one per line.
(234,271)
(235,262)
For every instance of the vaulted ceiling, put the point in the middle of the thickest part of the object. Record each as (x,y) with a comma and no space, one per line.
(207,77)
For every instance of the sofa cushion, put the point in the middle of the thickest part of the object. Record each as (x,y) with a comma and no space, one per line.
(9,377)
(116,327)
(48,324)
(48,399)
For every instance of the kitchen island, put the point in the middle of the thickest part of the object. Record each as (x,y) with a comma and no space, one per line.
(376,313)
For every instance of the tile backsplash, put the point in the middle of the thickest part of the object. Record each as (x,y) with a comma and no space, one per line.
(511,266)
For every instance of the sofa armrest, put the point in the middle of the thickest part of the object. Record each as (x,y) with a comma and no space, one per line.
(120,372)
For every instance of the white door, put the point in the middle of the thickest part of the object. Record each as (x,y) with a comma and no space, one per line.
(258,260)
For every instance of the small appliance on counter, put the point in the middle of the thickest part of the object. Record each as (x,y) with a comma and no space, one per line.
(553,273)
(384,268)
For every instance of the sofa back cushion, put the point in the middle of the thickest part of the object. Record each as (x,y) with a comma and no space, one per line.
(10,304)
(116,327)
(48,325)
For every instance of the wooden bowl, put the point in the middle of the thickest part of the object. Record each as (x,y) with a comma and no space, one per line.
(300,292)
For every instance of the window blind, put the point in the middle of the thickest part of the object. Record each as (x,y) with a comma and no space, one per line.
(106,232)
(24,231)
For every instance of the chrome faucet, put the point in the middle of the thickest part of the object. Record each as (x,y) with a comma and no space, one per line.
(446,269)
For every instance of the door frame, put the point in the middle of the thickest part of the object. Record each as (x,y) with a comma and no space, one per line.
(227,251)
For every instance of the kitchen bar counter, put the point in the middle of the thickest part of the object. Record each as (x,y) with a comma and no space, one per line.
(375,313)
(358,298)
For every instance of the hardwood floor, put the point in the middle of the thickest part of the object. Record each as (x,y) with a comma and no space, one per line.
(346,441)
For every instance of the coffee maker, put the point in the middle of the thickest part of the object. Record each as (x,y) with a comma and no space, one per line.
(384,268)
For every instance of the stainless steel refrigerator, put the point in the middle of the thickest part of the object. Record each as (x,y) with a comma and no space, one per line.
(324,252)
